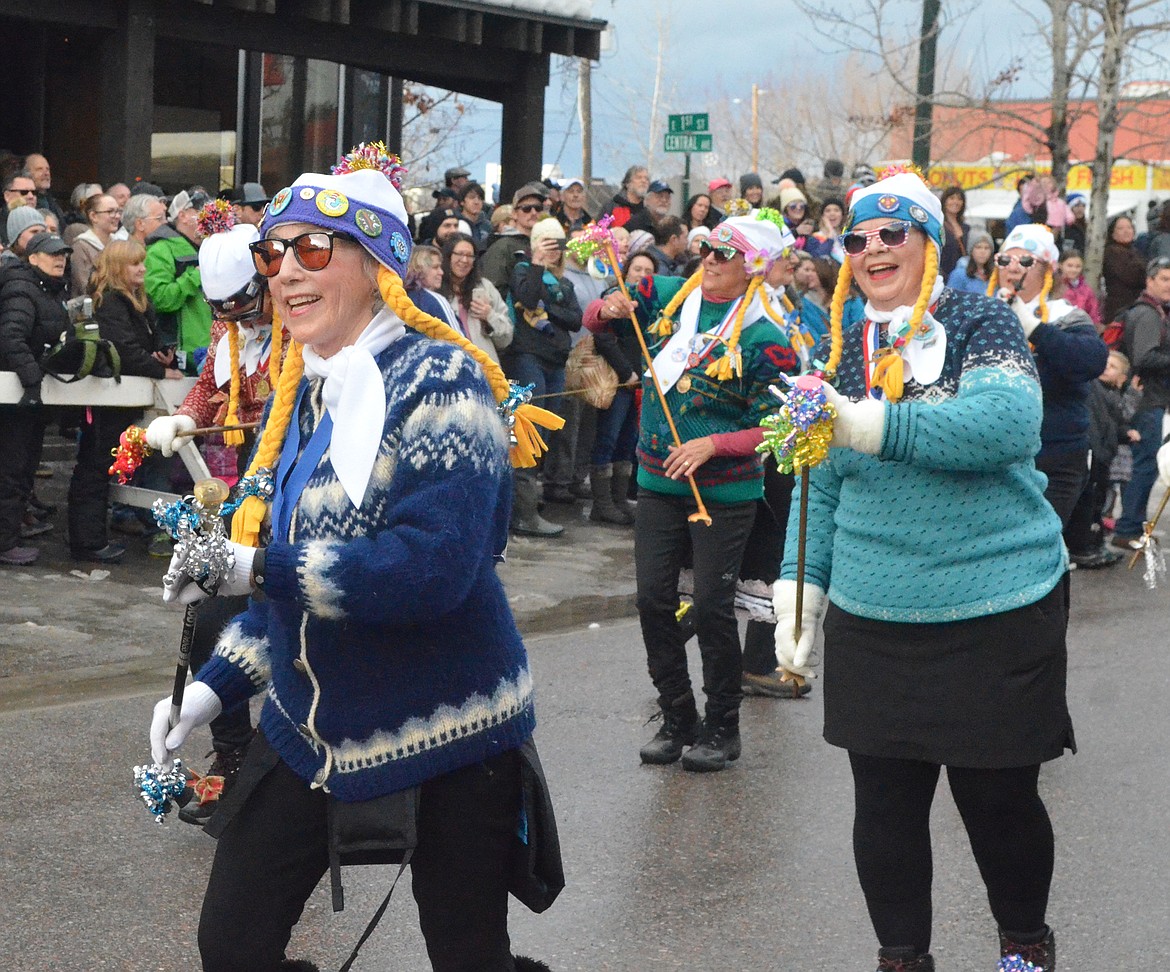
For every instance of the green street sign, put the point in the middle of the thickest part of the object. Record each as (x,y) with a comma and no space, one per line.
(687,142)
(678,124)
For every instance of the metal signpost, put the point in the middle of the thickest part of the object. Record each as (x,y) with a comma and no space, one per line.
(687,133)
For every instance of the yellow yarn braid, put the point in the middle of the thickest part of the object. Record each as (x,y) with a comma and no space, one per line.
(837,315)
(664,326)
(730,363)
(274,354)
(529,444)
(249,517)
(234,438)
(1044,292)
(889,372)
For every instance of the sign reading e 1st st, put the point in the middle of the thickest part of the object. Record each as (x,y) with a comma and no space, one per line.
(687,133)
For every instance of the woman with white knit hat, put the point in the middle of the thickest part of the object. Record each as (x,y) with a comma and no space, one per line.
(938,570)
(387,464)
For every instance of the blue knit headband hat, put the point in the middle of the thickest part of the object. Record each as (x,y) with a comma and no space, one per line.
(363,204)
(902,196)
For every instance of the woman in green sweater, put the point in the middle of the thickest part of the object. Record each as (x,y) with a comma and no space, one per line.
(938,570)
(716,349)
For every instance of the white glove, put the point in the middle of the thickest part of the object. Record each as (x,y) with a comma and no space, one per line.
(181,590)
(793,654)
(1164,464)
(162,432)
(1028,321)
(858,425)
(200,706)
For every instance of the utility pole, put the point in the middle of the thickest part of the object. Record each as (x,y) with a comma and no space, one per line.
(585,116)
(923,107)
(755,127)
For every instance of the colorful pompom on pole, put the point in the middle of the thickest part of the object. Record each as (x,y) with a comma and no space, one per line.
(799,434)
(160,786)
(130,453)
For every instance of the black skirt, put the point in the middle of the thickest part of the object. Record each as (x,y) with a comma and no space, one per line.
(985,693)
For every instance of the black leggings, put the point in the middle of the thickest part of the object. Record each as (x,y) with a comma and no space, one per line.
(1009,830)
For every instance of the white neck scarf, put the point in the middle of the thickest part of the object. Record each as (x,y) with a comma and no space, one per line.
(254,349)
(670,363)
(925,354)
(354,394)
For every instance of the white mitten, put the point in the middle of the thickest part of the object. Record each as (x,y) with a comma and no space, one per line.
(180,589)
(1028,321)
(1164,464)
(858,425)
(164,430)
(794,654)
(200,706)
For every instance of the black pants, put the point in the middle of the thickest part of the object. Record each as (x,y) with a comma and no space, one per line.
(1066,474)
(761,561)
(661,535)
(22,436)
(274,851)
(1009,830)
(89,486)
(231,729)
(1085,534)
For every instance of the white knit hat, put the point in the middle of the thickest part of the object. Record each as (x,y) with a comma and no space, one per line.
(225,262)
(1036,239)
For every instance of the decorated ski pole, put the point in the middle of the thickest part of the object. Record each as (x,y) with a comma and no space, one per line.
(599,237)
(195,523)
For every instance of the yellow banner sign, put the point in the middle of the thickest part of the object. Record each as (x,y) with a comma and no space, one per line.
(1080,179)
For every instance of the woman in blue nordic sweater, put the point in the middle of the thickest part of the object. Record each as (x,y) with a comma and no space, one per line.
(391,510)
(938,570)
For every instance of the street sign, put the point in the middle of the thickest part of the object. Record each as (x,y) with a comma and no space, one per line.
(677,124)
(687,142)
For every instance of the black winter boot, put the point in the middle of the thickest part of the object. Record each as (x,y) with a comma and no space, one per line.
(716,746)
(1027,953)
(623,473)
(903,960)
(525,964)
(679,718)
(223,771)
(604,510)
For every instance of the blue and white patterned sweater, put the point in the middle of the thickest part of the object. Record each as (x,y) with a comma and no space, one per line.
(949,520)
(386,645)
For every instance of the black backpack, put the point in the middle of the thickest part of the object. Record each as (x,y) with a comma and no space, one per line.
(84,353)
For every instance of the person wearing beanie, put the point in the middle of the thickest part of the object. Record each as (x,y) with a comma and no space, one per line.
(23,224)
(794,208)
(241,334)
(383,726)
(751,188)
(1069,357)
(715,350)
(546,312)
(961,661)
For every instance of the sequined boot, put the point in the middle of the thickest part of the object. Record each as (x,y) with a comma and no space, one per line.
(904,960)
(1029,955)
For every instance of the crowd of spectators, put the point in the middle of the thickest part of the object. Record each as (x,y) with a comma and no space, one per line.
(499,274)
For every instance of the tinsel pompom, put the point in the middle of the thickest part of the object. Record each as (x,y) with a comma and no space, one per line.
(372,155)
(129,454)
(596,236)
(1154,561)
(799,434)
(159,786)
(216,216)
(738,207)
(769,215)
(903,168)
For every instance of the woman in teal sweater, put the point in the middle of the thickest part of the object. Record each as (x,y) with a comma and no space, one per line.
(938,570)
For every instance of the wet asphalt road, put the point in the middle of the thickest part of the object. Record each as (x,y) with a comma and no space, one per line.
(750,869)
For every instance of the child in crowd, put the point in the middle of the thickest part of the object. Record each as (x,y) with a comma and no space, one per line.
(1152,378)
(1075,289)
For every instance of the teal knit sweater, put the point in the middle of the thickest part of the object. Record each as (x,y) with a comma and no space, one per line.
(949,520)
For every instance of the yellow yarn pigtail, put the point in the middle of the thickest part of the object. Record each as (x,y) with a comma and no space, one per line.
(1044,292)
(664,326)
(730,363)
(275,351)
(529,444)
(993,282)
(788,305)
(837,315)
(249,517)
(889,371)
(234,437)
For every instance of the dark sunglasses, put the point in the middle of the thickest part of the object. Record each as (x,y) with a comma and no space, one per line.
(24,192)
(245,305)
(892,235)
(529,208)
(721,253)
(313,252)
(1006,260)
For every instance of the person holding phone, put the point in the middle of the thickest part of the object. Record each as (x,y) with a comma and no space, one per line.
(173,282)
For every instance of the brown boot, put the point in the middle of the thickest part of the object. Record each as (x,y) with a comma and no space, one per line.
(604,511)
